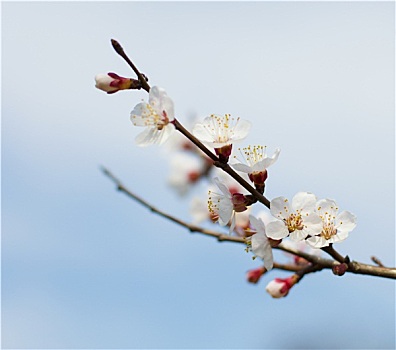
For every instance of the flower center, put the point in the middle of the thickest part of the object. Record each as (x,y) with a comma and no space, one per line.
(253,155)
(328,225)
(294,222)
(213,204)
(328,231)
(221,129)
(153,118)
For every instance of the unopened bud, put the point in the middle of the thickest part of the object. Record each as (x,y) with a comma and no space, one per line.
(280,287)
(253,276)
(111,83)
(340,269)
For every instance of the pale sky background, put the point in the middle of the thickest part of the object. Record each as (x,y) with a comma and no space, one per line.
(85,267)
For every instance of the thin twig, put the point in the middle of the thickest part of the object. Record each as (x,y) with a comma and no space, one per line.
(377,261)
(287,267)
(142,78)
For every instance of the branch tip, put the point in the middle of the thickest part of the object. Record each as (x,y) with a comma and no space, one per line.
(377,261)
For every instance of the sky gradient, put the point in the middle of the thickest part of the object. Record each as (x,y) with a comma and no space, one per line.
(85,267)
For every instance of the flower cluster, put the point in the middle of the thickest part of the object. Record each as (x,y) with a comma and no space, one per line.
(305,219)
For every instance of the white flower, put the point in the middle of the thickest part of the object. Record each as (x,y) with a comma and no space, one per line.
(185,170)
(256,159)
(242,222)
(336,227)
(298,219)
(221,205)
(199,210)
(224,205)
(218,132)
(156,115)
(112,82)
(260,245)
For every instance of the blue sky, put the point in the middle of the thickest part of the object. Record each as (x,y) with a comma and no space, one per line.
(85,267)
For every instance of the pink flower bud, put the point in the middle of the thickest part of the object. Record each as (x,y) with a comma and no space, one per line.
(280,287)
(112,83)
(253,276)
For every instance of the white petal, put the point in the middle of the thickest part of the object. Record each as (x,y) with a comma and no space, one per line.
(168,106)
(225,211)
(233,222)
(313,223)
(304,202)
(155,96)
(165,133)
(277,230)
(266,162)
(280,208)
(327,206)
(339,237)
(202,133)
(147,137)
(257,224)
(345,221)
(223,188)
(298,235)
(139,114)
(242,167)
(262,248)
(317,242)
(241,129)
(161,102)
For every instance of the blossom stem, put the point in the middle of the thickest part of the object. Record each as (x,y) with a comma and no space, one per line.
(334,254)
(142,79)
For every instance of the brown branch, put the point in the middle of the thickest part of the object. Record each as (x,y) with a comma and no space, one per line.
(221,237)
(216,161)
(316,261)
(142,78)
(287,267)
